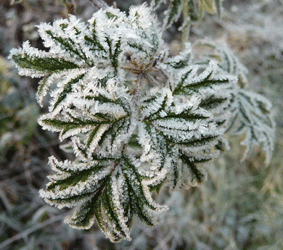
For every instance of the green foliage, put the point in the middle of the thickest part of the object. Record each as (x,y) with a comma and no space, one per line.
(173,13)
(43,64)
(196,10)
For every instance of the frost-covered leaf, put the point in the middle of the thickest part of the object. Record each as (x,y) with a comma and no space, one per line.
(36,63)
(173,13)
(66,37)
(102,114)
(77,48)
(211,86)
(250,112)
(184,124)
(68,127)
(147,42)
(182,60)
(174,136)
(196,11)
(226,58)
(253,118)
(112,192)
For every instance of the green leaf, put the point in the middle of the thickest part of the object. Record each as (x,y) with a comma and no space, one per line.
(191,84)
(117,193)
(69,201)
(138,201)
(173,13)
(114,54)
(226,58)
(42,64)
(72,180)
(69,125)
(67,44)
(196,174)
(92,135)
(254,118)
(93,41)
(117,127)
(181,61)
(68,128)
(42,89)
(186,170)
(180,84)
(213,101)
(86,214)
(101,208)
(67,89)
(207,82)
(188,135)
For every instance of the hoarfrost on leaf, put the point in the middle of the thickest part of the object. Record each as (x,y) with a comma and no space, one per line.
(250,112)
(135,118)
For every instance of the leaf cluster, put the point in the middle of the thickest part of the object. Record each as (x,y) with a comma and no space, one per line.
(251,112)
(196,10)
(136,119)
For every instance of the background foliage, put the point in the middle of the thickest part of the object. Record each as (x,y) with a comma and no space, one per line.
(239,207)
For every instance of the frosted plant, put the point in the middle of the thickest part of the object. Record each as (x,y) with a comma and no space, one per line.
(193,10)
(136,119)
(251,112)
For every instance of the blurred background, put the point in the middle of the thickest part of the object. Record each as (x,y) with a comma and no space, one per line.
(239,207)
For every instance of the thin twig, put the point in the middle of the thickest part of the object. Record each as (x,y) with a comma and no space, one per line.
(100,4)
(139,81)
(186,29)
(31,230)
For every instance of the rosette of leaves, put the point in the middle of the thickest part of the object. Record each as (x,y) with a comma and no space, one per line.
(251,112)
(137,119)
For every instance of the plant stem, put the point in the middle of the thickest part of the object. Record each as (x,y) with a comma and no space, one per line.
(186,29)
(138,88)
